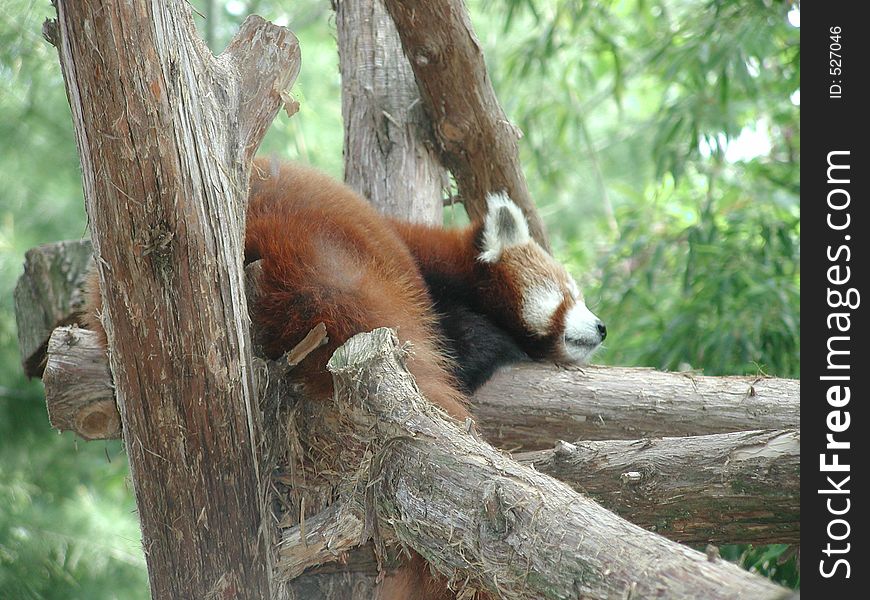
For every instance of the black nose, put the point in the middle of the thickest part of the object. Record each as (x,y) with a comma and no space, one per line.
(602,330)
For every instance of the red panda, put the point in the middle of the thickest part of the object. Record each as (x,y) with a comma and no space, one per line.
(468,300)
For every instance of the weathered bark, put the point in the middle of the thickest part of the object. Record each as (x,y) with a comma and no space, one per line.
(48,295)
(727,488)
(165,134)
(475,139)
(386,155)
(693,489)
(322,539)
(531,406)
(79,385)
(420,481)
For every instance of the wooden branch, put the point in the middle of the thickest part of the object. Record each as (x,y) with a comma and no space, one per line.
(320,540)
(47,295)
(165,134)
(266,60)
(727,488)
(477,516)
(532,406)
(388,156)
(686,503)
(476,140)
(78,381)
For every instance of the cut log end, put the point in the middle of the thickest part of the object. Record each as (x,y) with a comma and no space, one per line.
(98,421)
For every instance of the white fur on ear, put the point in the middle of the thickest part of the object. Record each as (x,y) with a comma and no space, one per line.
(503,227)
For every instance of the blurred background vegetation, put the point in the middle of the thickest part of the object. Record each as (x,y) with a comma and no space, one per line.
(662,143)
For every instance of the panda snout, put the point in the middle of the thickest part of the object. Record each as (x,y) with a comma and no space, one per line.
(583,334)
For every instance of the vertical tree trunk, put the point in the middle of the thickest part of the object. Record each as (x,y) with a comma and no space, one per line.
(165,135)
(386,155)
(475,139)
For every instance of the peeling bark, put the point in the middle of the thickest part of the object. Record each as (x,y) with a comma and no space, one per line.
(387,154)
(726,488)
(165,133)
(532,406)
(475,139)
(78,382)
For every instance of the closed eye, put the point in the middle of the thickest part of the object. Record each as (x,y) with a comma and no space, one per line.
(540,303)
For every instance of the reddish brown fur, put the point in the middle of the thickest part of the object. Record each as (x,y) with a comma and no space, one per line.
(452,254)
(329,257)
(449,252)
(415,582)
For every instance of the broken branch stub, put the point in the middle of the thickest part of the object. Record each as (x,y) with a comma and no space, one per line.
(47,295)
(78,383)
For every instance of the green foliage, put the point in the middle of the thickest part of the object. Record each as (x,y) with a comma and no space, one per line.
(68,527)
(635,115)
(710,285)
(776,561)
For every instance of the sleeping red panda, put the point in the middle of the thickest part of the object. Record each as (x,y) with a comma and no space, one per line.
(484,295)
(468,300)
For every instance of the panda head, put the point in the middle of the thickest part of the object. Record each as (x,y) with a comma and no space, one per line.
(529,293)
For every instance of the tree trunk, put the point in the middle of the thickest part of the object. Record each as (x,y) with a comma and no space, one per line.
(475,139)
(386,156)
(166,133)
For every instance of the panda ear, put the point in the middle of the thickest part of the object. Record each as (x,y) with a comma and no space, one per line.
(504,226)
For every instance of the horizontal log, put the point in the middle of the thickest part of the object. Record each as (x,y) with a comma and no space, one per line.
(531,406)
(324,538)
(487,522)
(691,489)
(78,386)
(525,407)
(726,488)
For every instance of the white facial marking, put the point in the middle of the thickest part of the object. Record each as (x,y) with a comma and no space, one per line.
(539,305)
(582,337)
(503,227)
